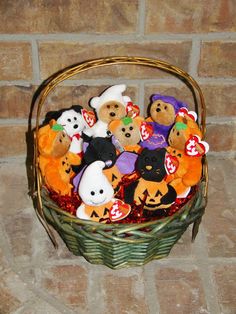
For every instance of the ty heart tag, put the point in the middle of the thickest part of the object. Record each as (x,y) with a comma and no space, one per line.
(89,117)
(171,164)
(184,112)
(146,131)
(132,110)
(195,147)
(119,210)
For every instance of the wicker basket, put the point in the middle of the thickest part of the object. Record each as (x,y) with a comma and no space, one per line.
(120,245)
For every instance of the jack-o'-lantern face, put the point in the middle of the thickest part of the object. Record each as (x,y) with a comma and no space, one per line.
(114,176)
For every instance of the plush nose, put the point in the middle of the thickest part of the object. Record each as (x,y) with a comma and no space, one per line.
(158,109)
(127,135)
(149,167)
(112,114)
(75,126)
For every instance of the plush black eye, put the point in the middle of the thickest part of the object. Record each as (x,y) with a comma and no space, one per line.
(101,191)
(60,140)
(116,106)
(154,159)
(165,107)
(92,193)
(158,105)
(63,134)
(131,128)
(123,129)
(69,120)
(177,133)
(179,155)
(75,118)
(146,159)
(174,151)
(108,106)
(111,155)
(63,163)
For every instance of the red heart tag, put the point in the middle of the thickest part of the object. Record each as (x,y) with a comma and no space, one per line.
(119,210)
(146,131)
(132,110)
(89,117)
(171,163)
(184,112)
(195,147)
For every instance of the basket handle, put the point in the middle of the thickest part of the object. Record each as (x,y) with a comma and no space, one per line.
(68,72)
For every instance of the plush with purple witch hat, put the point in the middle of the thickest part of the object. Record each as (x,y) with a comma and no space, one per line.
(161,115)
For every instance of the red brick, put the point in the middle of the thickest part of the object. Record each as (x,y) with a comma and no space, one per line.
(57,55)
(15,135)
(67,283)
(218,59)
(123,293)
(13,178)
(15,61)
(180,291)
(75,16)
(219,218)
(225,276)
(15,101)
(221,137)
(189,16)
(220,99)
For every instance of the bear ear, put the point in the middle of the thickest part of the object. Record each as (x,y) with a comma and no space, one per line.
(77,108)
(94,102)
(113,125)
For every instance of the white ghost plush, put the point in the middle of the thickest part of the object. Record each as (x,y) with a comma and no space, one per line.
(110,105)
(96,193)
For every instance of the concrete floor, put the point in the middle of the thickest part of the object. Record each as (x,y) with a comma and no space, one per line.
(196,278)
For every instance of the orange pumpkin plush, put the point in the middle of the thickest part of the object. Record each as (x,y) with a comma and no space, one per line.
(188,172)
(55,160)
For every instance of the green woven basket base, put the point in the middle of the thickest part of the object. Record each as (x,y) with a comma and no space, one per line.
(133,248)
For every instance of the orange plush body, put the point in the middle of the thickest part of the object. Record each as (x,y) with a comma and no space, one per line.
(188,173)
(55,160)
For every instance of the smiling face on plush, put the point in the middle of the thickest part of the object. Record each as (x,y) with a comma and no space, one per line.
(72,121)
(94,188)
(126,130)
(162,112)
(110,111)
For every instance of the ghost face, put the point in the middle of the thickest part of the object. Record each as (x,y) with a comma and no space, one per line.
(72,122)
(94,188)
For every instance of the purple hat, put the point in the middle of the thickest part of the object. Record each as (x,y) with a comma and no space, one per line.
(171,100)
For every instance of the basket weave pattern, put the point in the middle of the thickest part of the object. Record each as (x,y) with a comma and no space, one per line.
(120,245)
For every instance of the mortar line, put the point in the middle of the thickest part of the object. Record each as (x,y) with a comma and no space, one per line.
(194,58)
(92,37)
(141,17)
(35,61)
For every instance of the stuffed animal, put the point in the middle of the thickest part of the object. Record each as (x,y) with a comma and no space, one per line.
(58,173)
(127,131)
(53,142)
(100,148)
(162,112)
(74,120)
(152,190)
(188,172)
(110,105)
(97,195)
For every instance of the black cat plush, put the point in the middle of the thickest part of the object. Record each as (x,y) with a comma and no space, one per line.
(152,191)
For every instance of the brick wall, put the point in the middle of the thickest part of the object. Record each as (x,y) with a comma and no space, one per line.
(38,38)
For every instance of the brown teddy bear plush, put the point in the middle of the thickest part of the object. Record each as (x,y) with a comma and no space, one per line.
(127,132)
(53,142)
(162,112)
(110,105)
(55,160)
